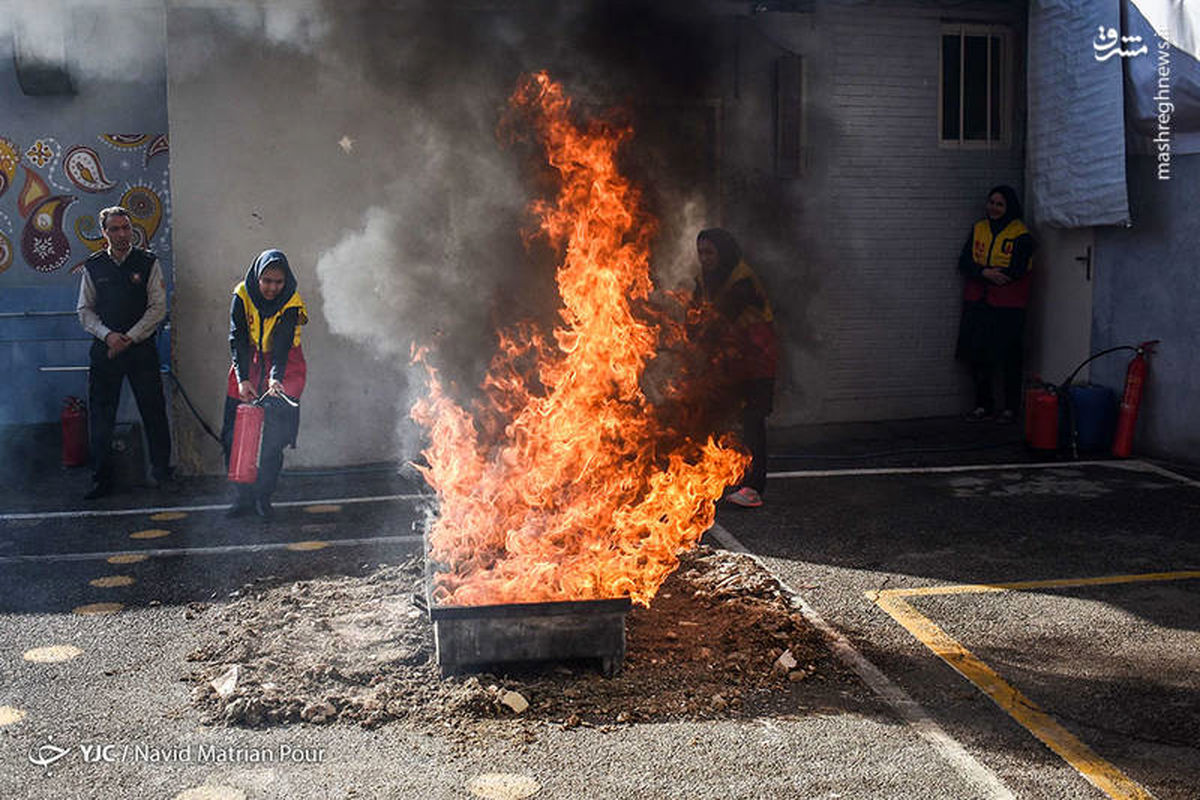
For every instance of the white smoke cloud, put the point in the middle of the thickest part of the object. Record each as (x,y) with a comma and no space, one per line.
(90,40)
(365,280)
(102,40)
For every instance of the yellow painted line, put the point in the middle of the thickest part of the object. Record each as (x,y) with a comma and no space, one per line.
(503,786)
(1028,714)
(95,609)
(112,581)
(168,516)
(126,558)
(153,533)
(10,715)
(1057,583)
(303,546)
(52,654)
(326,508)
(211,792)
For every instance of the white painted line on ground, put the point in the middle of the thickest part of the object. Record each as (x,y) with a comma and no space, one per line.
(201,551)
(1137,466)
(985,780)
(838,473)
(127,512)
(1146,466)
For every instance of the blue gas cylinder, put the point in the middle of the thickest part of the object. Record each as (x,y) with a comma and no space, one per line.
(1094,411)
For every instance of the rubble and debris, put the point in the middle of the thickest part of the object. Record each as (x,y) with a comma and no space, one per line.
(225,685)
(514,700)
(721,639)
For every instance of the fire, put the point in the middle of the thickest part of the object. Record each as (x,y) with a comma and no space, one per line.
(563,484)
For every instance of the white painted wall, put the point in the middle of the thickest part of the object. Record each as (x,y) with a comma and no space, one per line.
(1059,332)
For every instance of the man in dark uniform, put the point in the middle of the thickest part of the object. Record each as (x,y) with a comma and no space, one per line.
(122,300)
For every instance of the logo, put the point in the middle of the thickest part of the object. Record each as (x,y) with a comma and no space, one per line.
(136,277)
(47,754)
(1106,44)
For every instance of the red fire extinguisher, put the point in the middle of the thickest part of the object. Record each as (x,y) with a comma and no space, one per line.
(247,441)
(1041,416)
(1135,381)
(74,433)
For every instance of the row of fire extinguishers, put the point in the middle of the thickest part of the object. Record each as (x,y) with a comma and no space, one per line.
(1042,404)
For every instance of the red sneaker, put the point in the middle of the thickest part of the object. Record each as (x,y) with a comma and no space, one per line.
(746,498)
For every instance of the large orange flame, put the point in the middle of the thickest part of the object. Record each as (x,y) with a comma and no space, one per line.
(563,485)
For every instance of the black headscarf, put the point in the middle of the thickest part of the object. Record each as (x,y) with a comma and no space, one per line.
(276,260)
(728,250)
(729,253)
(1011,201)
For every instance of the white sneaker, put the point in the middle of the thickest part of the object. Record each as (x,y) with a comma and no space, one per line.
(746,498)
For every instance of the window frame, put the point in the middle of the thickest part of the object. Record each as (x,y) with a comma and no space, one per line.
(1006,85)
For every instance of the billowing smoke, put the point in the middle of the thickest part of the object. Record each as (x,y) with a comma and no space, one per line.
(102,40)
(123,40)
(443,261)
(297,25)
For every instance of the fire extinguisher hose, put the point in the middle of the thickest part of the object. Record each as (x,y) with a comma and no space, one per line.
(1143,347)
(183,392)
(203,424)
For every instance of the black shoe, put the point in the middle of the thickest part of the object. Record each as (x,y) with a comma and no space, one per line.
(165,482)
(97,491)
(264,509)
(239,509)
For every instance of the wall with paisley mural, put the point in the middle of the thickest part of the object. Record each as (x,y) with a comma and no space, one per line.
(51,192)
(63,158)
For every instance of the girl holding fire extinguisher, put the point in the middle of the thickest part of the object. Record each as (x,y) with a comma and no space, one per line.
(268,370)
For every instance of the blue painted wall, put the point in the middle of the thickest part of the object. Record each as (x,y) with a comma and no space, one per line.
(1148,287)
(37,137)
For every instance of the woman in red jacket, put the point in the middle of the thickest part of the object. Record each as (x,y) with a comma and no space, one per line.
(747,349)
(996,261)
(268,366)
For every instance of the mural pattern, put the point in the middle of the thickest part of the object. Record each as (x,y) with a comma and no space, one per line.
(51,195)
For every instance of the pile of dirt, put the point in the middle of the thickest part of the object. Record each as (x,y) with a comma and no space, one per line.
(719,640)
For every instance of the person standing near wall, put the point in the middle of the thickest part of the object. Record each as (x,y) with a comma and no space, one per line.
(996,262)
(745,346)
(268,367)
(122,300)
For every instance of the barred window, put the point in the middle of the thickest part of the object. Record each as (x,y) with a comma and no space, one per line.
(976,85)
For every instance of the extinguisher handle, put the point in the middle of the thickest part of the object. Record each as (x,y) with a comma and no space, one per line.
(285,398)
(1148,346)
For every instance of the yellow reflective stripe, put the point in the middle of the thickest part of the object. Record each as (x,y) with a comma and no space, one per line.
(254,320)
(995,256)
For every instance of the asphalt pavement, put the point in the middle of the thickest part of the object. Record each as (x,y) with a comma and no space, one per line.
(1023,625)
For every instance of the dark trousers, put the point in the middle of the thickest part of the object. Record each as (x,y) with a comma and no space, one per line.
(139,364)
(990,339)
(1010,374)
(759,394)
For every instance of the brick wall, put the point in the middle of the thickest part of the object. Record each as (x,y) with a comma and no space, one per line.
(870,300)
